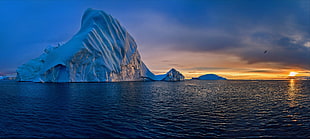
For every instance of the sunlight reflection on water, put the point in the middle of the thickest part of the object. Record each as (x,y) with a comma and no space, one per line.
(292,94)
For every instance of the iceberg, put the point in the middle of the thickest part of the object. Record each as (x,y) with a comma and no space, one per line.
(210,77)
(172,75)
(101,51)
(7,77)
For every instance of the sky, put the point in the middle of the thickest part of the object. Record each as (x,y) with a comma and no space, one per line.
(236,39)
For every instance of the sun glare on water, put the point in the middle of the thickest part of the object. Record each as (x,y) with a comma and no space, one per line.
(292,74)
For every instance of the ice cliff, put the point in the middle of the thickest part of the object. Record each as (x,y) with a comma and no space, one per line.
(102,51)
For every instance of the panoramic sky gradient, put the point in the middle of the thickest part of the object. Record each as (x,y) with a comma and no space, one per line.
(237,39)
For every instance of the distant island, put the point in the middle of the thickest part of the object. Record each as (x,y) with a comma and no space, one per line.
(209,77)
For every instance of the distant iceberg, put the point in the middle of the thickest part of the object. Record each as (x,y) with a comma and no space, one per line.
(171,75)
(210,77)
(102,51)
(8,77)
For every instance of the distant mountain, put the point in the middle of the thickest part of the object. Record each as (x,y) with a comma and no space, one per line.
(102,51)
(210,77)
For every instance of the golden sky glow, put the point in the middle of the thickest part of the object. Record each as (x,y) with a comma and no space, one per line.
(196,64)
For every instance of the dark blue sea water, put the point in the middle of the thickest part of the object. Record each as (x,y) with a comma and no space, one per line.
(156,109)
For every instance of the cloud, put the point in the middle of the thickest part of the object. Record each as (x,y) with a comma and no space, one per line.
(282,30)
(307,44)
(207,68)
(245,29)
(265,71)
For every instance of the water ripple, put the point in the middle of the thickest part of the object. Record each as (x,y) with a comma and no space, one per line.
(188,109)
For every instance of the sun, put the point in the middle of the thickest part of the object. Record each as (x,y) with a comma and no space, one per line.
(293,74)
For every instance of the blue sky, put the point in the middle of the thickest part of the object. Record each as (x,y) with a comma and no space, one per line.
(196,37)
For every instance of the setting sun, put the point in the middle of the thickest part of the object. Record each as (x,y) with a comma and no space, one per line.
(293,73)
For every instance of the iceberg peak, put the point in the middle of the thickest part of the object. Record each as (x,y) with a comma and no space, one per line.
(96,17)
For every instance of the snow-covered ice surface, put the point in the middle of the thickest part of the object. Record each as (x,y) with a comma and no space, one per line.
(102,51)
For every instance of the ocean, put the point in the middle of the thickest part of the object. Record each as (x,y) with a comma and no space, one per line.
(186,109)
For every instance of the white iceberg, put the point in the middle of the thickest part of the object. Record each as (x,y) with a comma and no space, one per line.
(102,51)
